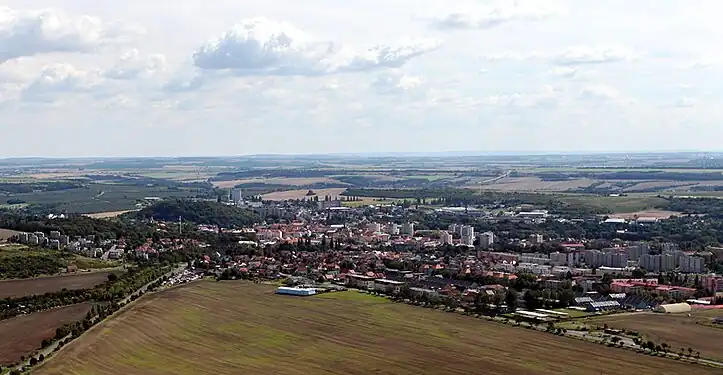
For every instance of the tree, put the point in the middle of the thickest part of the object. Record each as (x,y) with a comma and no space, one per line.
(41,357)
(511,299)
(690,352)
(33,361)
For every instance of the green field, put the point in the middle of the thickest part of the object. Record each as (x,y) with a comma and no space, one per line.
(623,204)
(100,197)
(244,328)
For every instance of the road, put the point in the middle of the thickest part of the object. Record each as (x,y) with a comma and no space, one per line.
(495,179)
(50,349)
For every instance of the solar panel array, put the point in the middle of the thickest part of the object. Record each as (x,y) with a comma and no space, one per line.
(583,300)
(605,304)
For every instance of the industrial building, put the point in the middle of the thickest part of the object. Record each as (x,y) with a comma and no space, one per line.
(673,308)
(296,291)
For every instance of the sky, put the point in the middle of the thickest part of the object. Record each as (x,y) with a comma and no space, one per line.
(239,77)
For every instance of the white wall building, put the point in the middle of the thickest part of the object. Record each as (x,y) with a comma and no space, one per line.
(446,238)
(237,196)
(408,229)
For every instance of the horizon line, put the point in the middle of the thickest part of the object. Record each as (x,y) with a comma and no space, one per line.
(460,153)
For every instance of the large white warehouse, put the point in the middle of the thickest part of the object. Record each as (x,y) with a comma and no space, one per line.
(295,291)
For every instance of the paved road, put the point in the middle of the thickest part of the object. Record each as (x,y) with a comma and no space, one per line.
(50,349)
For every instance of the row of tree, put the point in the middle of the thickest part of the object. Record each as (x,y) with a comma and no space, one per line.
(114,289)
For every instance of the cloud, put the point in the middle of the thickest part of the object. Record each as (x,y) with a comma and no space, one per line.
(548,96)
(581,55)
(395,83)
(29,33)
(563,71)
(259,46)
(701,63)
(490,16)
(685,102)
(60,79)
(512,55)
(599,92)
(132,65)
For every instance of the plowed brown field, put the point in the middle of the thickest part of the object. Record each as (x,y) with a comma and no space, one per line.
(243,328)
(23,334)
(42,285)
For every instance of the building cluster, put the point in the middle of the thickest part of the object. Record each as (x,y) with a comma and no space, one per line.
(83,245)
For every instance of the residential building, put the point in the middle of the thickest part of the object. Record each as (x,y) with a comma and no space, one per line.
(713,283)
(616,259)
(486,240)
(466,232)
(536,238)
(237,196)
(594,258)
(388,286)
(408,229)
(392,229)
(691,264)
(374,227)
(446,238)
(360,281)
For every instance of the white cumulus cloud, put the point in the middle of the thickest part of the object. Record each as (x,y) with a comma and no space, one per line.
(563,71)
(685,102)
(29,33)
(580,55)
(395,83)
(60,79)
(599,92)
(134,65)
(260,46)
(487,16)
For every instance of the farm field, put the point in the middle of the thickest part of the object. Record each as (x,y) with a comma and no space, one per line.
(660,214)
(290,181)
(238,328)
(100,197)
(536,184)
(49,284)
(7,233)
(109,214)
(366,201)
(300,194)
(622,204)
(677,330)
(23,334)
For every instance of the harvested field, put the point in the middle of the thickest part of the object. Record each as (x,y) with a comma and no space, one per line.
(243,328)
(536,184)
(22,335)
(677,330)
(299,194)
(659,185)
(660,214)
(622,204)
(48,284)
(291,181)
(106,215)
(7,233)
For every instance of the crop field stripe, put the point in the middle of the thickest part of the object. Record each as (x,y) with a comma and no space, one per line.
(677,330)
(244,328)
(23,334)
(49,284)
